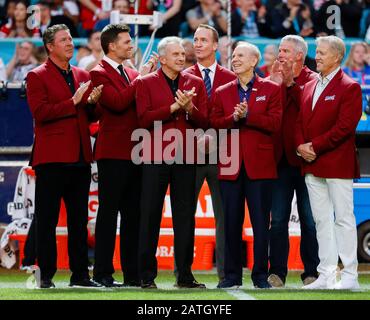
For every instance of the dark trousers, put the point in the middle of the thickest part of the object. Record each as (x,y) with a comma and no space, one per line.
(30,246)
(72,183)
(209,172)
(258,196)
(156,178)
(119,191)
(290,180)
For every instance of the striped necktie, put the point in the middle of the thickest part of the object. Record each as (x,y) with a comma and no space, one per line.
(207,81)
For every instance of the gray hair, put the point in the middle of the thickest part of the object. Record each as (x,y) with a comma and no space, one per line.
(336,44)
(252,48)
(49,34)
(300,44)
(162,45)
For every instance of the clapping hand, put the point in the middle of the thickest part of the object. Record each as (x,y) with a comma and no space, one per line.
(184,99)
(95,95)
(307,152)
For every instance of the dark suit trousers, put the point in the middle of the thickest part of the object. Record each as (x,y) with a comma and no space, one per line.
(156,178)
(258,196)
(119,191)
(209,172)
(72,183)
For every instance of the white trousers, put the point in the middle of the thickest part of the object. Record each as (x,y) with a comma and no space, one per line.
(332,209)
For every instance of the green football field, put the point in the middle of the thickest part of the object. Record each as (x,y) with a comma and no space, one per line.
(14,285)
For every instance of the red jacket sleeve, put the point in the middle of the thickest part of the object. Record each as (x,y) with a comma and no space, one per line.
(111,99)
(145,111)
(218,119)
(42,110)
(349,115)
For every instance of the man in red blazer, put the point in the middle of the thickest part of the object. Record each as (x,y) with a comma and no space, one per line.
(325,139)
(119,177)
(253,106)
(205,47)
(177,100)
(290,72)
(59,101)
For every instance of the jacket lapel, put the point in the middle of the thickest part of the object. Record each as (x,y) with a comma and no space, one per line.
(60,78)
(329,88)
(113,73)
(254,93)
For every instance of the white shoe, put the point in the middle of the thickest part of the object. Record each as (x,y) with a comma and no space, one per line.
(322,283)
(347,284)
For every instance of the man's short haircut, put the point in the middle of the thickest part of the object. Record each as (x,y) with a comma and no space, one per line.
(110,34)
(162,45)
(214,31)
(252,48)
(298,41)
(336,44)
(49,34)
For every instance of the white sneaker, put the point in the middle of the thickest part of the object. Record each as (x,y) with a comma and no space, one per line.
(347,284)
(322,283)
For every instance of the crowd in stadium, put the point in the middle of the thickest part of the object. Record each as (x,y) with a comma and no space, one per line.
(265,103)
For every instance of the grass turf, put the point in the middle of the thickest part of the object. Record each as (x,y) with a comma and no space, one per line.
(13,287)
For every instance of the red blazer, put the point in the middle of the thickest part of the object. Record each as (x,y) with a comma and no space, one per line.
(153,100)
(222,76)
(331,127)
(255,135)
(60,127)
(284,139)
(118,117)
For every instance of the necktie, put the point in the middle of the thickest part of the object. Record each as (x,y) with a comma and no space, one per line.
(207,81)
(123,73)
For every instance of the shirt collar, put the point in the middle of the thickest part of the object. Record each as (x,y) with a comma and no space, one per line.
(212,67)
(111,62)
(249,84)
(329,77)
(61,70)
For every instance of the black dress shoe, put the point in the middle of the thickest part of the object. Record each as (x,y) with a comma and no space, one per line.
(262,284)
(108,282)
(190,285)
(84,283)
(148,285)
(46,284)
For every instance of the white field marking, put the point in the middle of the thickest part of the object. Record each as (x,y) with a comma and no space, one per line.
(239,294)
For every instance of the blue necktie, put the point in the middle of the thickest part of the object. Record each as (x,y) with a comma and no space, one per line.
(207,81)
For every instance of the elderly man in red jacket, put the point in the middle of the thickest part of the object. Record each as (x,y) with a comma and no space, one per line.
(60,104)
(252,105)
(325,139)
(177,101)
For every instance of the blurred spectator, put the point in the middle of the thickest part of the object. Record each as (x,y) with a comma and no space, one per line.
(208,12)
(65,8)
(356,66)
(82,51)
(22,62)
(40,55)
(47,20)
(350,16)
(190,58)
(291,17)
(270,55)
(18,28)
(365,19)
(223,45)
(2,71)
(91,12)
(248,21)
(123,6)
(171,16)
(96,51)
(7,12)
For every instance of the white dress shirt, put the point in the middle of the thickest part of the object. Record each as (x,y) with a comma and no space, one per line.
(212,72)
(112,63)
(321,85)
